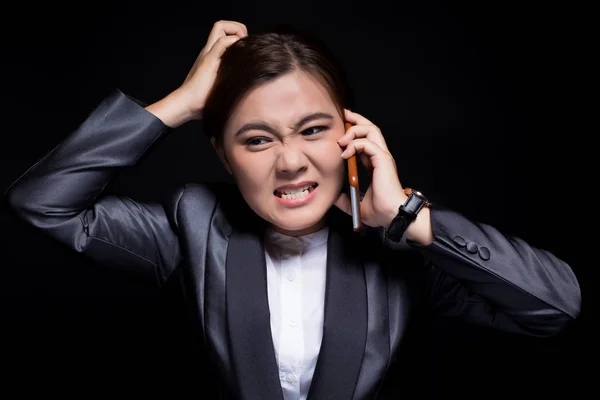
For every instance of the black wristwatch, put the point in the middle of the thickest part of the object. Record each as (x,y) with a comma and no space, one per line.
(407,213)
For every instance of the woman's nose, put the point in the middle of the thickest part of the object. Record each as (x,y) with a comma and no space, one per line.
(291,160)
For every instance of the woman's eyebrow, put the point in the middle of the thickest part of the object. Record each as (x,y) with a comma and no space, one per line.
(311,117)
(263,126)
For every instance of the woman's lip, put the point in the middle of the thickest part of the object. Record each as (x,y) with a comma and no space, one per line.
(295,186)
(299,201)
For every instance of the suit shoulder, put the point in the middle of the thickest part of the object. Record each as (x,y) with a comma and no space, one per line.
(203,192)
(195,196)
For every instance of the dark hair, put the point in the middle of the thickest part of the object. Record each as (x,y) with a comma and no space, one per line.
(262,57)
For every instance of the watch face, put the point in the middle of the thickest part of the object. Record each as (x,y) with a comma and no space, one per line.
(416,192)
(409,191)
(422,197)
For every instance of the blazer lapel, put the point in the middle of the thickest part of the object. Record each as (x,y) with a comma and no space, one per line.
(248,318)
(345,321)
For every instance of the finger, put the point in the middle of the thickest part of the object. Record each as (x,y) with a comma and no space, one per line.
(348,137)
(343,203)
(243,28)
(370,132)
(356,118)
(221,45)
(365,146)
(225,28)
(364,160)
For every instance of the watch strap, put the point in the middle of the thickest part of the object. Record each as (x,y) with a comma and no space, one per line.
(407,213)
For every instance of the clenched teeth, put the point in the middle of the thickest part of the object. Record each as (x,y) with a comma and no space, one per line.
(295,193)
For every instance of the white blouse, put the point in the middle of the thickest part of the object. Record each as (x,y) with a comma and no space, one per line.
(296,273)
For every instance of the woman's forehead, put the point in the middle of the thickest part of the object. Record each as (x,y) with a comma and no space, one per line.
(285,100)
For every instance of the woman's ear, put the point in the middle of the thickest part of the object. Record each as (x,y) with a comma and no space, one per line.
(220,154)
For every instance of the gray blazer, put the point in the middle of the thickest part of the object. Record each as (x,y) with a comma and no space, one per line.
(214,241)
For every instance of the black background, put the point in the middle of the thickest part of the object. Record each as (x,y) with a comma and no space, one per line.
(478,102)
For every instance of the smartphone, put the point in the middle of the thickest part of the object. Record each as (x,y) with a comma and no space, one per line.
(354,189)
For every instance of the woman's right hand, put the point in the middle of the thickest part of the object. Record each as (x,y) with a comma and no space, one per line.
(187,101)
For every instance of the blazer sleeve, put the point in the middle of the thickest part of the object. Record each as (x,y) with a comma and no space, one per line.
(486,278)
(61,194)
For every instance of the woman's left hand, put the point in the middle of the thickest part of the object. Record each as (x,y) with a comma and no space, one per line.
(385,193)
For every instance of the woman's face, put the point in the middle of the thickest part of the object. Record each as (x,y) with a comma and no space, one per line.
(280,145)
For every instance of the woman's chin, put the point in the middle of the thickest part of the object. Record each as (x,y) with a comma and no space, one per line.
(297,226)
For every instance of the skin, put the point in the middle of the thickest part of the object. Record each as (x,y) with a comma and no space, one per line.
(263,159)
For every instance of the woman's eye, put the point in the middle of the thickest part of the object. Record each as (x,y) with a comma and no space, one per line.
(256,141)
(314,130)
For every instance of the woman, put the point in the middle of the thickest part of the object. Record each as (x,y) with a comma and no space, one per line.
(289,301)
